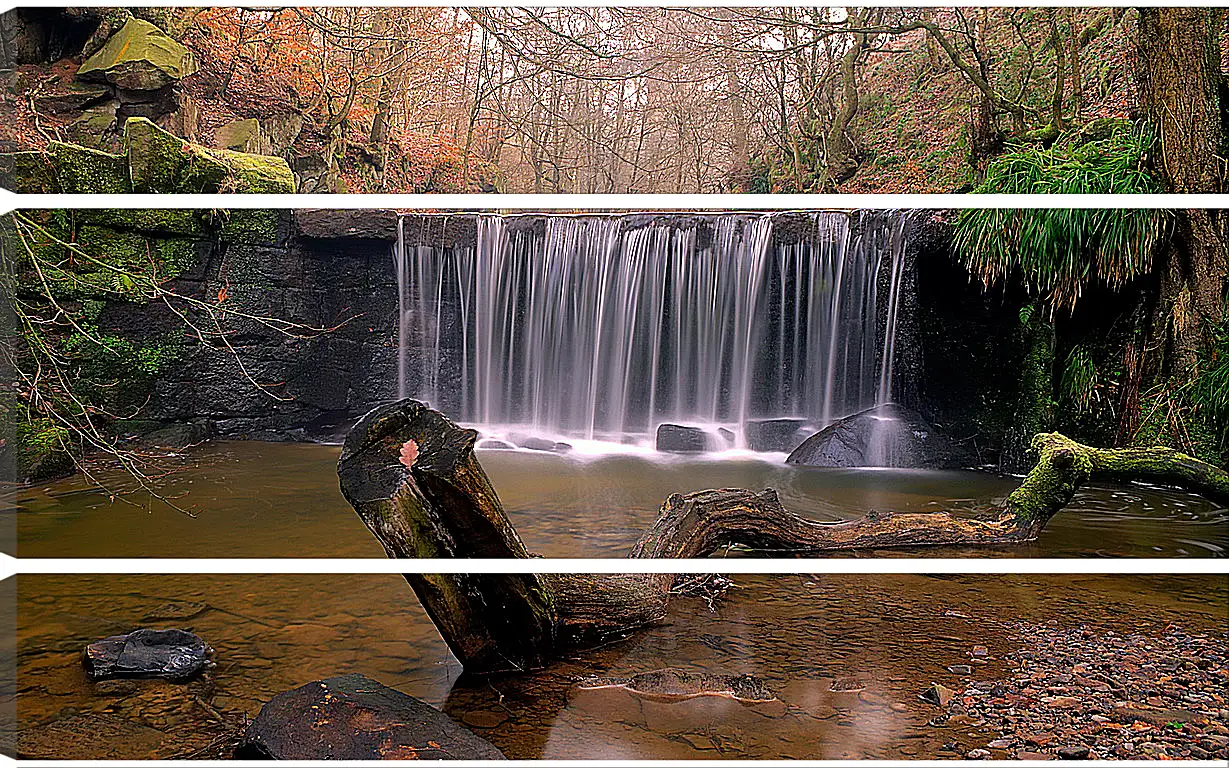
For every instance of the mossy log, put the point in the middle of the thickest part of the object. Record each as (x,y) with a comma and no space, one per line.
(412,476)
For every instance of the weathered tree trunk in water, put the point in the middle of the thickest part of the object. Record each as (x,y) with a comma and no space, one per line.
(412,476)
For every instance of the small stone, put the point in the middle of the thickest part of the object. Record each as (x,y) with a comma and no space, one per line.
(978,754)
(960,669)
(980,651)
(937,694)
(1073,753)
(1000,744)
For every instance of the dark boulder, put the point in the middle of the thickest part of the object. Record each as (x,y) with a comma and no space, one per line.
(772,434)
(170,653)
(353,717)
(676,438)
(884,436)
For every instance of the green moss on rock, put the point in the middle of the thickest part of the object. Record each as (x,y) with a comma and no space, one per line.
(84,171)
(163,162)
(29,173)
(139,57)
(159,221)
(41,451)
(256,174)
(155,156)
(117,371)
(203,173)
(162,257)
(249,226)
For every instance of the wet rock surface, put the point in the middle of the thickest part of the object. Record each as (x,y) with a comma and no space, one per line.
(676,438)
(884,436)
(169,653)
(353,717)
(1081,694)
(773,434)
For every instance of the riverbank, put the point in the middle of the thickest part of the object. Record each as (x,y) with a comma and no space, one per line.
(1081,694)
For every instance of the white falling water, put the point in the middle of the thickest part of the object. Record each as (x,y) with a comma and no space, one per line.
(602,327)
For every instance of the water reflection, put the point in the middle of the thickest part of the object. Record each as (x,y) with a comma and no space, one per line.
(276,499)
(847,657)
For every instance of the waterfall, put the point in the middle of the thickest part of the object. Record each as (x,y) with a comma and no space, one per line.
(602,327)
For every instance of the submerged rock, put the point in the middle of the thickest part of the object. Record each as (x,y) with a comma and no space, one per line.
(538,444)
(353,717)
(676,438)
(492,444)
(678,685)
(170,653)
(88,736)
(884,436)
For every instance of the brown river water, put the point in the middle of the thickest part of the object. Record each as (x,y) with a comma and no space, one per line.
(255,499)
(892,634)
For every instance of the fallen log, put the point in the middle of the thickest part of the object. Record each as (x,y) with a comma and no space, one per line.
(412,476)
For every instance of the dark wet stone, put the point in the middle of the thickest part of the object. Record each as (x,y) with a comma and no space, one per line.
(937,694)
(1073,753)
(887,435)
(169,653)
(772,434)
(353,717)
(676,438)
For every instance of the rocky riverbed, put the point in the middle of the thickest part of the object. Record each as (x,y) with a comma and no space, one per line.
(1081,693)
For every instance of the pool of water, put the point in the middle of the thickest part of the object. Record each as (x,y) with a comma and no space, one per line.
(253,499)
(892,634)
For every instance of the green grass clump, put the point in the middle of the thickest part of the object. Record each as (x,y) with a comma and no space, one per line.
(1057,252)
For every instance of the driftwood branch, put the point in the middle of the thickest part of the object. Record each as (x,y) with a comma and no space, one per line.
(412,476)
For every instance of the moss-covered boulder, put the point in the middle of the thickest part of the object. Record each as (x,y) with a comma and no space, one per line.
(85,171)
(139,57)
(30,173)
(162,162)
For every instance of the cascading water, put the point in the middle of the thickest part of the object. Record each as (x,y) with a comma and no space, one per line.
(603,327)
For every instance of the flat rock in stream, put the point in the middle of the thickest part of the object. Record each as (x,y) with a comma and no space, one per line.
(352,717)
(173,654)
(679,685)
